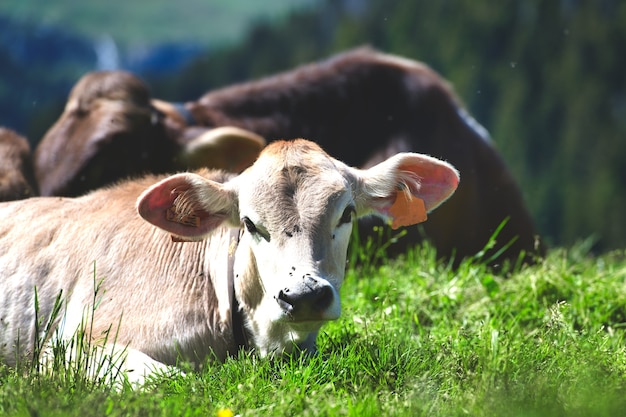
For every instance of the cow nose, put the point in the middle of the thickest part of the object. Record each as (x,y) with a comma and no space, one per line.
(307,301)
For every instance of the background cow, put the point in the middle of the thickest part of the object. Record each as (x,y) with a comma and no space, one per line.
(269,286)
(16,168)
(109,130)
(364,106)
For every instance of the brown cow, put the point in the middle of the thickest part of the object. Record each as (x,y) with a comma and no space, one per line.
(109,130)
(261,266)
(16,169)
(364,106)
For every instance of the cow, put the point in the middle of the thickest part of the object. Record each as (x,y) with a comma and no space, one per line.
(200,265)
(17,180)
(364,106)
(109,130)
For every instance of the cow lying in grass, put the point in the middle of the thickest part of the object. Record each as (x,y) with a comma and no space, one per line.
(252,261)
(362,106)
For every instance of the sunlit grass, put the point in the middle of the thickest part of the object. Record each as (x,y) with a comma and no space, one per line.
(415,338)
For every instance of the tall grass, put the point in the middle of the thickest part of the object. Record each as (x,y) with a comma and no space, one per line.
(415,338)
(76,362)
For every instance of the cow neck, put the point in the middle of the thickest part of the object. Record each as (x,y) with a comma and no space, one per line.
(239,328)
(185,113)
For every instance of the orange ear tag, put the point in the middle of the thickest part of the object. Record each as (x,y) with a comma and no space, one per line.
(407,212)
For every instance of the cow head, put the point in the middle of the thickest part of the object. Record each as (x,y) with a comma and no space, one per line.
(108,130)
(296,206)
(111,129)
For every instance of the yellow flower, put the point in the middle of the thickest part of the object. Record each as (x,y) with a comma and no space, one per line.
(225,412)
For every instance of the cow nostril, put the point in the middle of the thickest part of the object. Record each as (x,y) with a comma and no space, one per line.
(283,295)
(324,298)
(284,301)
(310,281)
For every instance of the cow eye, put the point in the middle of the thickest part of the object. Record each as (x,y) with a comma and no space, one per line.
(253,230)
(346,217)
(249,225)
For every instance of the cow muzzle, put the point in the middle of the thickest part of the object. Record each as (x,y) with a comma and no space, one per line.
(309,299)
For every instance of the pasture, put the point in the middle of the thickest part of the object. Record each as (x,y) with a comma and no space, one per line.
(415,338)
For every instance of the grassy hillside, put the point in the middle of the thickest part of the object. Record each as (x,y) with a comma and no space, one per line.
(153,21)
(415,338)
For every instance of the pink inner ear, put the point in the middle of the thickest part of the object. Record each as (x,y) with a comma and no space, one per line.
(158,206)
(437,181)
(153,204)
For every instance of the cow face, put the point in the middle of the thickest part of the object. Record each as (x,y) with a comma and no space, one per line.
(108,130)
(295,205)
(297,210)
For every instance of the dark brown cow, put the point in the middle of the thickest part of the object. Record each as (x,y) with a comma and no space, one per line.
(16,168)
(110,130)
(364,106)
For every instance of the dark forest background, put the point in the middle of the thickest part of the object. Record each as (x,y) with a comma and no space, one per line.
(546,78)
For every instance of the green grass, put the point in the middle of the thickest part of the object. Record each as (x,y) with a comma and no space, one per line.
(415,338)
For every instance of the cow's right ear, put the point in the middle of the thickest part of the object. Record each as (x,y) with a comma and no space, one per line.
(187,205)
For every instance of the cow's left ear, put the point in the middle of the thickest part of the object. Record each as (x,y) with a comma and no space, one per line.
(405,187)
(187,205)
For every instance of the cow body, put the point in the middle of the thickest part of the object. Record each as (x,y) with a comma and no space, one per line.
(268,247)
(70,240)
(16,169)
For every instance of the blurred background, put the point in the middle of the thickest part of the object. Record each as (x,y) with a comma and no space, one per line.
(546,78)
